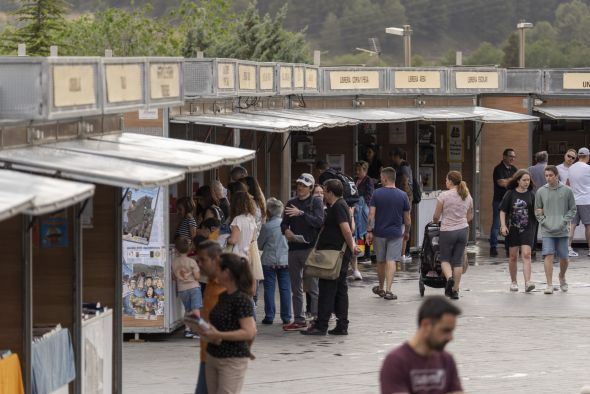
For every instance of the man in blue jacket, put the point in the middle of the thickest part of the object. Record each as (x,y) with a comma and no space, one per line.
(303,218)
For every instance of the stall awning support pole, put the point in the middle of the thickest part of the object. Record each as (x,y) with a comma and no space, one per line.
(118,307)
(285,167)
(27,256)
(266,166)
(78,295)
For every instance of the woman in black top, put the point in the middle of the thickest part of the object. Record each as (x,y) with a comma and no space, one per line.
(517,219)
(375,165)
(231,327)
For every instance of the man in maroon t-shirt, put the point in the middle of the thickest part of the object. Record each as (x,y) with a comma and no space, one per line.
(421,366)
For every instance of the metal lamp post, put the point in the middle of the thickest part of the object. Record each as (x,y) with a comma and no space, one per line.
(406,33)
(522,26)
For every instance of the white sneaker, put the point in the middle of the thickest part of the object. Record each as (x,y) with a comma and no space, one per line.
(548,289)
(572,253)
(407,259)
(530,286)
(563,285)
(514,286)
(356,275)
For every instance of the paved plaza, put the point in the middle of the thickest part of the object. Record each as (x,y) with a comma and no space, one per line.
(504,343)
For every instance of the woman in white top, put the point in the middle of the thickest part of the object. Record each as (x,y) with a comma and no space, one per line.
(259,201)
(455,207)
(243,229)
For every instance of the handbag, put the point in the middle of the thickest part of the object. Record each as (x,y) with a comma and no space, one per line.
(255,262)
(324,264)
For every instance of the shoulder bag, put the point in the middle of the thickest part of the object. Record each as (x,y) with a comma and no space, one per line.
(324,264)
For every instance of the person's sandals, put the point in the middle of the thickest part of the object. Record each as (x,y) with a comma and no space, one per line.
(378,291)
(389,296)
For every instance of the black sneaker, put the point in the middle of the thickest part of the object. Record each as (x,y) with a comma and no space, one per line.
(493,252)
(455,294)
(338,331)
(313,331)
(267,321)
(449,287)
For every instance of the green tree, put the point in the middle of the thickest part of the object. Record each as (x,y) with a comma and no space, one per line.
(40,25)
(573,21)
(330,29)
(485,54)
(511,51)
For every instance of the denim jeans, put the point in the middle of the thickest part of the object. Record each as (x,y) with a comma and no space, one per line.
(271,276)
(495,224)
(202,382)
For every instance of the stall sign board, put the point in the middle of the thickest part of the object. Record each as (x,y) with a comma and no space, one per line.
(124,82)
(311,78)
(226,73)
(353,80)
(267,74)
(477,80)
(286,77)
(164,80)
(576,81)
(417,79)
(73,85)
(247,77)
(299,82)
(455,147)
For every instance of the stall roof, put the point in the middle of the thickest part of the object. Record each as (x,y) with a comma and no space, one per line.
(250,121)
(91,168)
(187,161)
(367,115)
(49,194)
(12,203)
(228,155)
(326,119)
(573,113)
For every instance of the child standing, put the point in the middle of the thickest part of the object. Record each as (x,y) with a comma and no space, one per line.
(275,263)
(185,272)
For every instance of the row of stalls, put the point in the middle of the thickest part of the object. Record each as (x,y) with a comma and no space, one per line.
(66,234)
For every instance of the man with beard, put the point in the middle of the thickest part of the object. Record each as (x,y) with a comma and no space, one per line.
(421,366)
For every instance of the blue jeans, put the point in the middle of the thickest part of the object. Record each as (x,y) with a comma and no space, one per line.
(202,382)
(495,224)
(271,276)
(557,246)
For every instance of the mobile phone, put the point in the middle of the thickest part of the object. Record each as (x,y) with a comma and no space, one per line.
(192,321)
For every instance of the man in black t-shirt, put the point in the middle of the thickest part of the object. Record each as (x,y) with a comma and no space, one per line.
(333,294)
(502,174)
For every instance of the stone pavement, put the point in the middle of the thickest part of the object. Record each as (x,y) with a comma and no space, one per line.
(504,343)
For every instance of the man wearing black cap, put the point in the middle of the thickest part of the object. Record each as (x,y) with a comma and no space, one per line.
(302,220)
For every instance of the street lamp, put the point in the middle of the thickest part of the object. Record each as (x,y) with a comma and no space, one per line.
(522,26)
(405,32)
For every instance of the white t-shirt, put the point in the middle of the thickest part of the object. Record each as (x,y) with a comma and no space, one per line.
(247,226)
(579,176)
(563,172)
(454,212)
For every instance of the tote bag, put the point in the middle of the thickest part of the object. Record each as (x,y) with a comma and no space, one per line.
(324,264)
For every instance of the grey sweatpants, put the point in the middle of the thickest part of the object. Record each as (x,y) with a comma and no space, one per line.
(296,264)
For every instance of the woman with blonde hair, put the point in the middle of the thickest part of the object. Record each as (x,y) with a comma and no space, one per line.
(454,210)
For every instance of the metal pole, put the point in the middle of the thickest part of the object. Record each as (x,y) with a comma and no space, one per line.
(236,141)
(255,161)
(266,166)
(118,307)
(27,255)
(78,297)
(521,48)
(355,144)
(408,45)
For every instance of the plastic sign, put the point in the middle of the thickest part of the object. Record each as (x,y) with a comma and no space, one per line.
(226,76)
(311,78)
(417,79)
(247,77)
(74,85)
(578,81)
(267,77)
(124,82)
(164,80)
(477,80)
(353,80)
(299,79)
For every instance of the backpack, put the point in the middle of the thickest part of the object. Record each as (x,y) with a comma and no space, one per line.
(350,191)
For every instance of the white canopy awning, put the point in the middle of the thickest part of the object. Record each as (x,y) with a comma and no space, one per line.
(13,203)
(48,194)
(226,154)
(366,115)
(91,168)
(250,121)
(572,113)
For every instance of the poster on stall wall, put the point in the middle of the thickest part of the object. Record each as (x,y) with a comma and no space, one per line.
(144,258)
(53,230)
(455,147)
(397,134)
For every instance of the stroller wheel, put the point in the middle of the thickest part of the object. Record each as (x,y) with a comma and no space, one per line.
(421,287)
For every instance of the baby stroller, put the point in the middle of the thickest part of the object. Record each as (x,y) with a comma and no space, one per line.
(430,269)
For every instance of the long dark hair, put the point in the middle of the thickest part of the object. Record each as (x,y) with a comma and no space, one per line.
(256,193)
(239,267)
(206,193)
(513,183)
(241,204)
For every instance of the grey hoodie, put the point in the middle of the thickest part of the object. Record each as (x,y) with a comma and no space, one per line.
(559,208)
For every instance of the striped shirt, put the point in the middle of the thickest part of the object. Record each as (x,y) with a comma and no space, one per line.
(184,228)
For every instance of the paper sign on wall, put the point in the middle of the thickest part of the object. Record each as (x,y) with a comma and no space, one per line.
(299,80)
(286,77)
(344,80)
(397,134)
(576,81)
(311,78)
(226,76)
(455,147)
(267,78)
(477,80)
(247,76)
(164,80)
(73,85)
(124,82)
(417,79)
